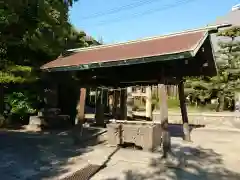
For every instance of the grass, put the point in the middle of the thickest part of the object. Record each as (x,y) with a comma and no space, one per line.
(191,109)
(173,105)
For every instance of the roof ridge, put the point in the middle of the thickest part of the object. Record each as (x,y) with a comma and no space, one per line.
(207,28)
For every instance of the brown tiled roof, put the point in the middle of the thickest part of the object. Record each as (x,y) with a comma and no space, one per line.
(157,46)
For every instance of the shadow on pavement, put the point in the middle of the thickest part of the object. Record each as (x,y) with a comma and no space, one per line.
(202,164)
(28,155)
(176,130)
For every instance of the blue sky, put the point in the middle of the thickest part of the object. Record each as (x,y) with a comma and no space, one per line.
(100,19)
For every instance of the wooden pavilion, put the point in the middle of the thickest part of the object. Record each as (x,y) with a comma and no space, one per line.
(157,60)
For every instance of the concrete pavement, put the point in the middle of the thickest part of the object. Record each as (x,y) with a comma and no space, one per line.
(49,156)
(216,157)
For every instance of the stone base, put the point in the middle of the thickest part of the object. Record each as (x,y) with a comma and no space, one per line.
(34,128)
(53,121)
(56,121)
(35,123)
(145,135)
(35,120)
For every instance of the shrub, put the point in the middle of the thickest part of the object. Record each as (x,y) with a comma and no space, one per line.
(20,104)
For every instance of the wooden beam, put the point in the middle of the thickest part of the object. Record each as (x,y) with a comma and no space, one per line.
(183,107)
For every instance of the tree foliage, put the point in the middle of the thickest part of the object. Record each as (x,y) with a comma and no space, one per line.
(227,82)
(20,103)
(32,33)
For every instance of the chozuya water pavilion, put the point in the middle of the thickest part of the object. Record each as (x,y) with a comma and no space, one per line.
(157,60)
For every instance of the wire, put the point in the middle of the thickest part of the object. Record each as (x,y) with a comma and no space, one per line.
(148,12)
(151,11)
(121,8)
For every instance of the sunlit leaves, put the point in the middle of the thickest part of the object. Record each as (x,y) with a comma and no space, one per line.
(232,32)
(33,33)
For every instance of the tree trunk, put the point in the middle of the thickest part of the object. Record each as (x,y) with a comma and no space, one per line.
(221,102)
(237,102)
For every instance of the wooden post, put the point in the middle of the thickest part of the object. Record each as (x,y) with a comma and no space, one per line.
(166,138)
(129,103)
(175,92)
(110,103)
(104,98)
(163,103)
(55,95)
(79,120)
(100,110)
(123,104)
(81,105)
(115,104)
(148,102)
(183,107)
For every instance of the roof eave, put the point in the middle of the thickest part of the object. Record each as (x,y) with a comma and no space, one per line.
(135,61)
(196,48)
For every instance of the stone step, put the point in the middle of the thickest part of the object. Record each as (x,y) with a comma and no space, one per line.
(35,120)
(33,127)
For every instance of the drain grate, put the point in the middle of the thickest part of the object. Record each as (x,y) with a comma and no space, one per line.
(85,173)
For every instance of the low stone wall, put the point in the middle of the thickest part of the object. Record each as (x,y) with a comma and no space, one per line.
(143,134)
(211,119)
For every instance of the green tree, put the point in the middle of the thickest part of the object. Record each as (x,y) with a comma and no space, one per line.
(33,32)
(228,60)
(227,82)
